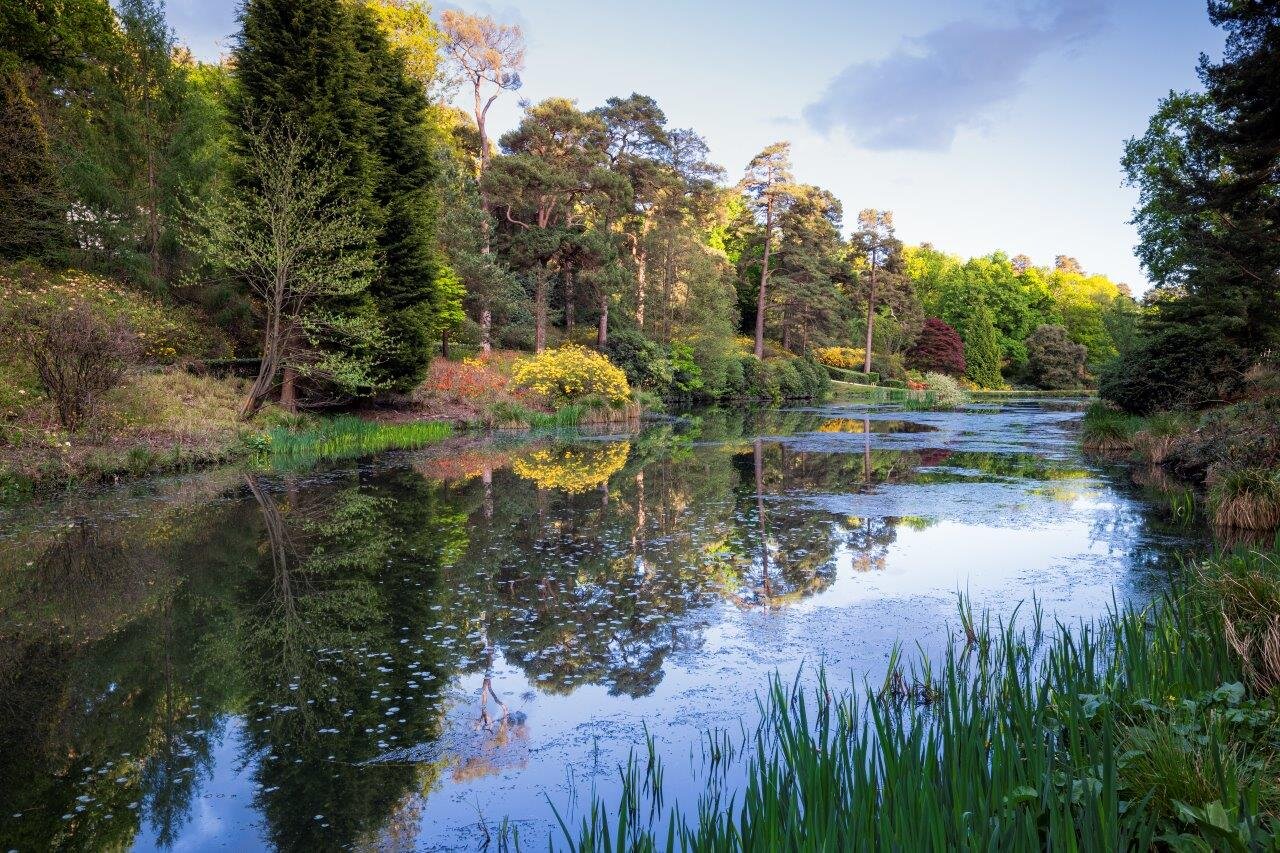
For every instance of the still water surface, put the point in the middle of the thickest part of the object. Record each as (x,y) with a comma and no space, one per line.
(388,655)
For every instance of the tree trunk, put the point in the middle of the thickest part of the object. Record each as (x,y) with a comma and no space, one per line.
(540,310)
(486,332)
(444,343)
(764,282)
(668,280)
(289,390)
(871,317)
(786,328)
(639,256)
(153,213)
(568,301)
(760,517)
(602,331)
(266,378)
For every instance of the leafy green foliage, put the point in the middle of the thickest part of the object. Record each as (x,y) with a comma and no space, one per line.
(981,348)
(1207,180)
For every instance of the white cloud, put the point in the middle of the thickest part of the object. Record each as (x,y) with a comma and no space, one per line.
(931,85)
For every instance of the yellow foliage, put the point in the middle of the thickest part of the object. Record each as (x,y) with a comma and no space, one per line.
(847,358)
(569,373)
(843,425)
(573,469)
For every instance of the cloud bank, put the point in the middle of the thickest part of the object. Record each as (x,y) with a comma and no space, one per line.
(918,96)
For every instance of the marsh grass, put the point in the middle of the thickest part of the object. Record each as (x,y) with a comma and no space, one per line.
(1247,498)
(1106,430)
(1158,434)
(1138,731)
(1246,591)
(348,436)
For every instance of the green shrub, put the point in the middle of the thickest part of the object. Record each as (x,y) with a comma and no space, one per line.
(686,375)
(734,379)
(1054,361)
(889,366)
(790,383)
(758,381)
(892,383)
(852,375)
(645,362)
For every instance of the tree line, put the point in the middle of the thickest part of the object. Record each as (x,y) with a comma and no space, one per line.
(320,200)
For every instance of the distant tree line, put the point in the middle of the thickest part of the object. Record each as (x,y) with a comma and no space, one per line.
(317,197)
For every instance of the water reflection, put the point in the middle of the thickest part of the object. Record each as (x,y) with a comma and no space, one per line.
(310,662)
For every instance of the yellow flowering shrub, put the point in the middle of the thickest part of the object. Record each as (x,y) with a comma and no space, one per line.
(574,469)
(847,358)
(569,373)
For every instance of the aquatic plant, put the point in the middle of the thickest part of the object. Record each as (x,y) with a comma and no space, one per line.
(1147,728)
(347,436)
(1153,442)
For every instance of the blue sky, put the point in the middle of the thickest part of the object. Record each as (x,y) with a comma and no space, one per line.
(983,124)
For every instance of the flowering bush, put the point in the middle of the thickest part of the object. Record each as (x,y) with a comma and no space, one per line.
(947,391)
(569,373)
(458,381)
(846,358)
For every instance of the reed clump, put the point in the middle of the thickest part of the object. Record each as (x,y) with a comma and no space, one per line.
(1108,430)
(1154,727)
(348,436)
(1246,498)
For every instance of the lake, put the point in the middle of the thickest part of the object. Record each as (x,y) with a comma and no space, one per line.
(401,653)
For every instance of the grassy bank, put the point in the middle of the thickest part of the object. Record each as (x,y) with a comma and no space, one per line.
(1229,456)
(171,421)
(1154,727)
(1033,394)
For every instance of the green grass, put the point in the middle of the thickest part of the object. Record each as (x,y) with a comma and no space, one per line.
(505,414)
(348,436)
(1145,729)
(1107,430)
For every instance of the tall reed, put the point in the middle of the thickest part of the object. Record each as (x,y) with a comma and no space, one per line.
(347,436)
(1137,730)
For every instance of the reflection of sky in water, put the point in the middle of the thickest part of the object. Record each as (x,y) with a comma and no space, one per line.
(497,625)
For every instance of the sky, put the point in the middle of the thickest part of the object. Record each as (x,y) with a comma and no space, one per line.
(983,125)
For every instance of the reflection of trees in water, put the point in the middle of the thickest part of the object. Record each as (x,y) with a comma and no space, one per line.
(304,609)
(329,655)
(106,697)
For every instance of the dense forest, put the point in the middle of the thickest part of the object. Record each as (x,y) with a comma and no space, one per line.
(316,215)
(316,203)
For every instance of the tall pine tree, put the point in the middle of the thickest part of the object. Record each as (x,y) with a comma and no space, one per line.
(324,67)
